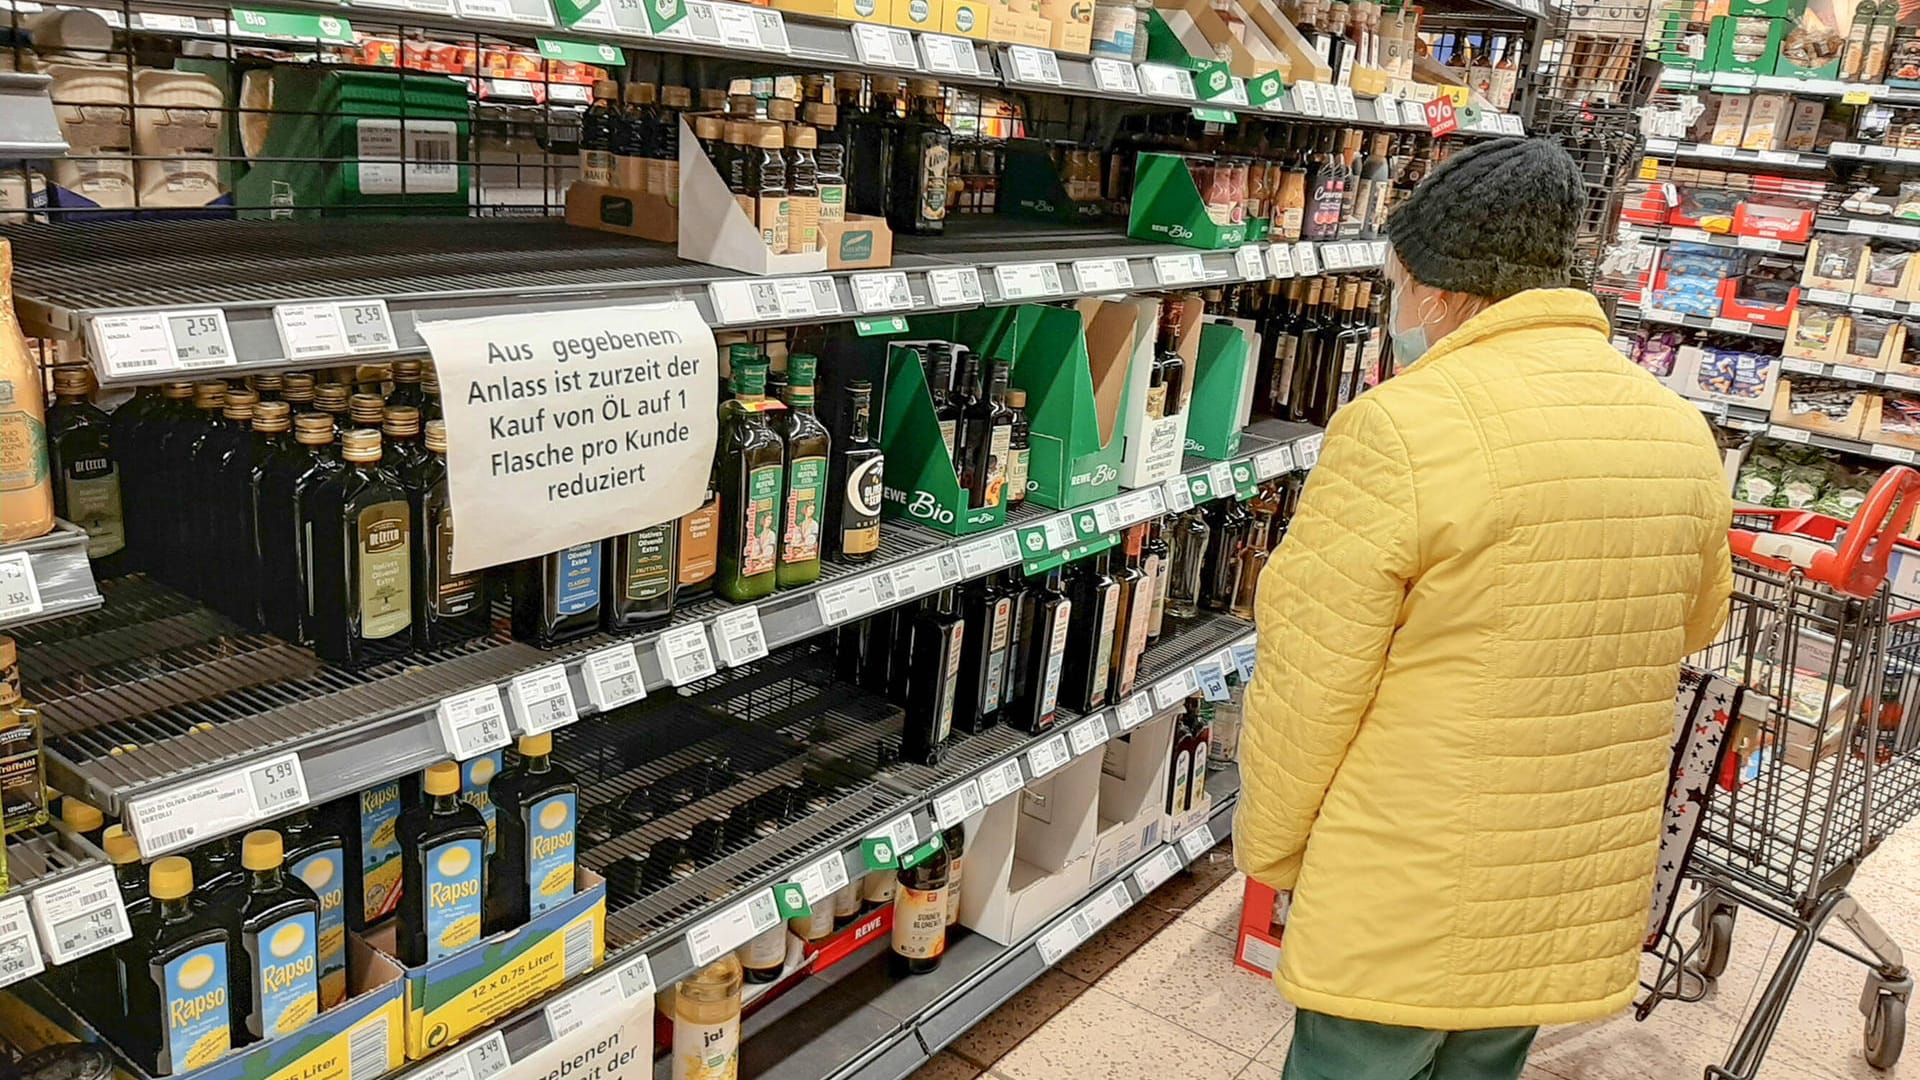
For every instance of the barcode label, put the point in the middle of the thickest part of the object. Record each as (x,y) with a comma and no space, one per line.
(19,591)
(577,948)
(685,655)
(1173,690)
(613,677)
(732,928)
(1088,734)
(1197,842)
(1155,872)
(218,804)
(1047,756)
(823,877)
(1065,936)
(1001,781)
(1134,711)
(1307,451)
(846,600)
(473,723)
(367,1049)
(989,553)
(543,699)
(741,638)
(955,287)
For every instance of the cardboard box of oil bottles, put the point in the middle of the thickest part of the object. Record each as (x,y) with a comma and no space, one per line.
(358,1039)
(501,973)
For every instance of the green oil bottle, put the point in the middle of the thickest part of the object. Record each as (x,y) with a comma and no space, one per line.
(177,992)
(443,871)
(319,858)
(535,802)
(273,964)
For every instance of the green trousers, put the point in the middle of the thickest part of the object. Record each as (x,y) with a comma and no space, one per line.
(1330,1048)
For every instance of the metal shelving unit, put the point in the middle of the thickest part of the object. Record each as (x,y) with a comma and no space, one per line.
(27,125)
(56,580)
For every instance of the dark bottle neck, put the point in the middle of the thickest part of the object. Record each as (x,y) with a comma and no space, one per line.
(268,880)
(175,910)
(445,804)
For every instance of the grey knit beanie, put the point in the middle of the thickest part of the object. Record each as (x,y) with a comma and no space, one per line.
(1492,220)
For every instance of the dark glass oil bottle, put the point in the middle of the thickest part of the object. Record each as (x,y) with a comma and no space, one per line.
(642,575)
(448,607)
(223,526)
(988,611)
(920,909)
(808,452)
(273,962)
(317,856)
(1089,656)
(1044,621)
(287,485)
(535,805)
(443,845)
(556,598)
(133,420)
(178,1011)
(750,457)
(86,481)
(917,196)
(932,680)
(857,481)
(360,540)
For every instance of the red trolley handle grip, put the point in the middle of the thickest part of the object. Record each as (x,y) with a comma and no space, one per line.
(1858,565)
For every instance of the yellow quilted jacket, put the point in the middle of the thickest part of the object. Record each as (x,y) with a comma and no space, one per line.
(1457,736)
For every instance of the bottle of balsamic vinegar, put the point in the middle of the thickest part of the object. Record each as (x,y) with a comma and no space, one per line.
(287,485)
(448,608)
(938,636)
(361,536)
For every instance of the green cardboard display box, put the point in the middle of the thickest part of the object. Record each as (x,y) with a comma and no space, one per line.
(921,483)
(1167,207)
(1222,386)
(1745,44)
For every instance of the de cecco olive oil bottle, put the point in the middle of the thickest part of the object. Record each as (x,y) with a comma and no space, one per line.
(443,859)
(534,804)
(273,966)
(178,1000)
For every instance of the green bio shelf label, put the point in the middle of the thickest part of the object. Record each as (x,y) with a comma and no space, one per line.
(662,14)
(1265,88)
(583,52)
(1212,81)
(878,853)
(886,324)
(1212,115)
(288,24)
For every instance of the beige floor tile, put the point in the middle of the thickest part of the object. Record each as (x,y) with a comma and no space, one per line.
(1186,975)
(947,1065)
(1022,1015)
(1257,1071)
(1219,910)
(1115,942)
(1101,1035)
(1274,1054)
(1198,880)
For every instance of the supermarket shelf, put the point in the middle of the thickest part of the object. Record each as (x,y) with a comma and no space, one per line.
(61,578)
(1887,155)
(157,697)
(1855,302)
(1832,88)
(1786,159)
(460,268)
(28,128)
(1836,223)
(1665,233)
(1756,421)
(1701,322)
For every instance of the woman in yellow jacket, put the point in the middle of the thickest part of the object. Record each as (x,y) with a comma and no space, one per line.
(1458,733)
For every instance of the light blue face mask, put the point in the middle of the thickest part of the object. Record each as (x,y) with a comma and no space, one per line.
(1410,344)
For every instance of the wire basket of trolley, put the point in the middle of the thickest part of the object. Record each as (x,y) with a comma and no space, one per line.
(1796,752)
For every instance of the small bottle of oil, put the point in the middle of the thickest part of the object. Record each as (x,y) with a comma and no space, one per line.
(318,857)
(706,1022)
(177,992)
(371,830)
(23,769)
(215,864)
(274,967)
(535,804)
(443,871)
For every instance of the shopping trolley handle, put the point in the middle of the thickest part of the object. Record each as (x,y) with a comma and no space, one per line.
(1853,561)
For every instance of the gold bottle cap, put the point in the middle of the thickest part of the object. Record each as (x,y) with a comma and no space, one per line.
(536,745)
(676,97)
(313,429)
(261,850)
(713,99)
(367,409)
(80,816)
(640,94)
(1016,398)
(331,397)
(402,421)
(406,371)
(442,778)
(437,436)
(802,137)
(782,110)
(924,88)
(297,387)
(9,653)
(823,114)
(272,416)
(121,849)
(74,381)
(209,395)
(743,106)
(112,831)
(737,134)
(847,80)
(769,136)
(606,88)
(177,390)
(430,380)
(361,445)
(170,878)
(709,127)
(886,84)
(269,382)
(240,404)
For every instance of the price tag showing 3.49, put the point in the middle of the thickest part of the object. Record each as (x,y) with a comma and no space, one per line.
(79,915)
(473,723)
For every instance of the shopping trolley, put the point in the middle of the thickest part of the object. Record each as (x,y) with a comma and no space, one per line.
(1819,763)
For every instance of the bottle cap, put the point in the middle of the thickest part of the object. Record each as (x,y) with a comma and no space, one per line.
(781,110)
(367,409)
(536,745)
(272,416)
(442,778)
(121,849)
(924,88)
(361,445)
(177,390)
(430,380)
(209,395)
(240,404)
(749,374)
(640,94)
(313,429)
(848,80)
(709,127)
(261,850)
(80,816)
(801,368)
(886,84)
(437,436)
(606,88)
(170,878)
(676,97)
(297,387)
(713,99)
(1017,398)
(112,831)
(267,383)
(330,397)
(77,381)
(769,136)
(736,133)
(802,137)
(823,114)
(743,106)
(406,371)
(402,421)
(9,653)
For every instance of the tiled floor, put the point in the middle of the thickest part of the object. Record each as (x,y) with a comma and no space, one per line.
(1161,977)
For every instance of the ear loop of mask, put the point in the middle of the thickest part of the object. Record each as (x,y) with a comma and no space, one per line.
(1411,344)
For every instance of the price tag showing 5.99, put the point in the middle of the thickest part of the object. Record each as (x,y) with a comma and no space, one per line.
(740,636)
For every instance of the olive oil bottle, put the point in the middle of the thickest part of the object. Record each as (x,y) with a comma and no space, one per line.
(443,871)
(809,448)
(750,456)
(448,608)
(535,805)
(643,576)
(556,598)
(287,485)
(178,1012)
(86,482)
(318,857)
(359,531)
(273,965)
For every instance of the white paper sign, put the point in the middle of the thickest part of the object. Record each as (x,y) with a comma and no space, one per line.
(567,427)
